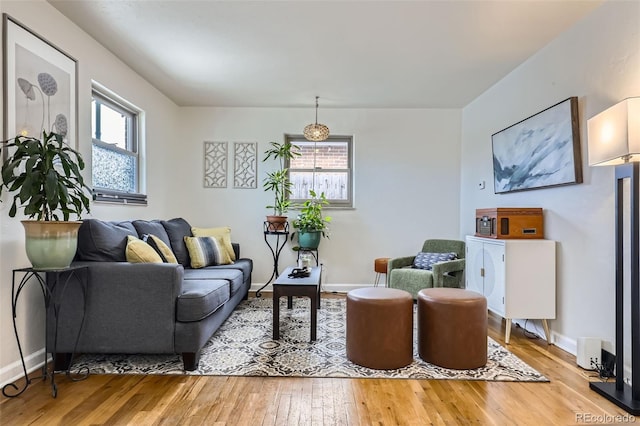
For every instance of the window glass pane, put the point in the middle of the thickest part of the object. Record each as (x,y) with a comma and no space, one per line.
(113,127)
(324,167)
(328,155)
(302,183)
(334,184)
(116,171)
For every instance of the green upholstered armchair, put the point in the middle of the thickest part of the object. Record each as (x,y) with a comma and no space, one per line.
(401,275)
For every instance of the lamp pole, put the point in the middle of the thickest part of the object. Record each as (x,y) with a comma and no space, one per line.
(621,394)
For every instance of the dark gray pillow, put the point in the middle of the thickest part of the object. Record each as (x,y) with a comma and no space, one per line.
(177,229)
(425,260)
(153,227)
(101,241)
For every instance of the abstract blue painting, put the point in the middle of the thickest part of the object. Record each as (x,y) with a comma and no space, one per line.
(540,151)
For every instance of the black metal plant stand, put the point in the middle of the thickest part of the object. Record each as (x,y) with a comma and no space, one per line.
(621,394)
(48,285)
(278,239)
(312,251)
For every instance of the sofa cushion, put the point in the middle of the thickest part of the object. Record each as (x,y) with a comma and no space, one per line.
(222,232)
(244,265)
(151,227)
(160,247)
(101,241)
(177,229)
(233,276)
(206,251)
(201,298)
(138,251)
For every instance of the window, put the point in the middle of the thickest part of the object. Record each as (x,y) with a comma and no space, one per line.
(324,167)
(115,151)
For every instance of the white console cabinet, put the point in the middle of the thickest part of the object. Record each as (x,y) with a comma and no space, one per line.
(518,278)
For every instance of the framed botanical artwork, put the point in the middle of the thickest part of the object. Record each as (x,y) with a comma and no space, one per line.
(540,151)
(40,85)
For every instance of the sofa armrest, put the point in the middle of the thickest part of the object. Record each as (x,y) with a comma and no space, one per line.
(127,308)
(450,267)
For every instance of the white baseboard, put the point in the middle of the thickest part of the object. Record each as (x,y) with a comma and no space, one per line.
(565,343)
(13,371)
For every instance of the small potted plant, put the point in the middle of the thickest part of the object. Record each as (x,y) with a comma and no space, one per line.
(45,177)
(278,182)
(310,224)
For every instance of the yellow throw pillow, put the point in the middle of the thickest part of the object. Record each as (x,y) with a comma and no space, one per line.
(165,252)
(223,232)
(206,251)
(140,252)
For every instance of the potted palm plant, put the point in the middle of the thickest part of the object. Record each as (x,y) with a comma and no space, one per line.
(310,224)
(278,182)
(45,177)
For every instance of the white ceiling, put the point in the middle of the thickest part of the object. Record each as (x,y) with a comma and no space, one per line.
(355,54)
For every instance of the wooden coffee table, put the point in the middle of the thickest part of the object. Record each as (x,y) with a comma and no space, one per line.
(307,287)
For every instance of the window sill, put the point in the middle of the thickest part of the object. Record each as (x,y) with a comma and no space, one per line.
(112,197)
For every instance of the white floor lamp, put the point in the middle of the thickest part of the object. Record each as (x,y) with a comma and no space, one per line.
(614,140)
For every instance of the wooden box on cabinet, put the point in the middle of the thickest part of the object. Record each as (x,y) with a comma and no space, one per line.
(518,278)
(510,223)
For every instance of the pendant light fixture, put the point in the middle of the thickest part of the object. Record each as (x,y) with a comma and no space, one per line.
(316,132)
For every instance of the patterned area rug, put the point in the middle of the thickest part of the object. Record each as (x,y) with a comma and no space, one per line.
(243,347)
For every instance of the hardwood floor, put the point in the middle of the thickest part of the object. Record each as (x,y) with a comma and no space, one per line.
(188,400)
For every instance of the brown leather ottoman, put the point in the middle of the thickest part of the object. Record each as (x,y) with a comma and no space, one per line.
(452,328)
(380,327)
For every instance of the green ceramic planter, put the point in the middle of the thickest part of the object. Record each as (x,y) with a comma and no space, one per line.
(310,240)
(50,245)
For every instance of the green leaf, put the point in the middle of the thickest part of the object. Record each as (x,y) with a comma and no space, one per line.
(45,175)
(12,210)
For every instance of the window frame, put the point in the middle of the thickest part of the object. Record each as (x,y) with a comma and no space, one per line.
(333,204)
(133,141)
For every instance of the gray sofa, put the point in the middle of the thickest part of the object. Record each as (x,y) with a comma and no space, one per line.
(147,308)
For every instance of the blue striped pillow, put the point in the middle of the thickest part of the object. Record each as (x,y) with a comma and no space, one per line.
(206,251)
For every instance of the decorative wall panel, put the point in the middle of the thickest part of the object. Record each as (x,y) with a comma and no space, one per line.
(215,164)
(245,165)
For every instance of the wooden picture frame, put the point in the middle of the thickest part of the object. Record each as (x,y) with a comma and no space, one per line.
(540,151)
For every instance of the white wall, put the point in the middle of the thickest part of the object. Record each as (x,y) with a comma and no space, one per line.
(597,60)
(406,178)
(412,174)
(94,62)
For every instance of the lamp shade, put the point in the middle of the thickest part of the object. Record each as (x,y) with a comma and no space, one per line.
(614,134)
(316,132)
